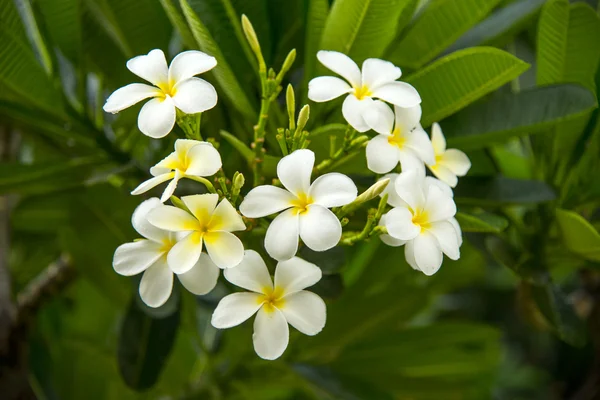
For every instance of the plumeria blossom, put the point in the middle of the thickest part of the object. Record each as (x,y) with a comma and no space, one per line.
(275,305)
(378,79)
(205,224)
(190,159)
(306,206)
(174,87)
(149,255)
(450,163)
(401,139)
(423,220)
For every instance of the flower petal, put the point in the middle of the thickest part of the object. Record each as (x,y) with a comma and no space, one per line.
(409,186)
(224,248)
(333,190)
(251,274)
(226,218)
(376,72)
(129,95)
(437,139)
(294,171)
(410,161)
(135,257)
(202,278)
(320,229)
(281,240)
(265,200)
(306,312)
(418,141)
(408,118)
(391,241)
(157,117)
(382,156)
(156,284)
(439,206)
(342,65)
(140,223)
(234,309)
(428,255)
(400,94)
(456,161)
(353,110)
(393,199)
(444,175)
(170,189)
(271,334)
(296,274)
(185,254)
(399,224)
(409,255)
(456,226)
(203,160)
(380,118)
(172,219)
(151,67)
(325,88)
(201,205)
(190,63)
(152,182)
(194,95)
(447,238)
(444,187)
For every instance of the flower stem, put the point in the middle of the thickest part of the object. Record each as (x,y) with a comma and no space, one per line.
(203,181)
(370,227)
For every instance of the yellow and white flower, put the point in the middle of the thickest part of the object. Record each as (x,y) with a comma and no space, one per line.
(149,255)
(423,220)
(401,139)
(276,305)
(206,224)
(378,79)
(306,206)
(190,159)
(174,87)
(450,163)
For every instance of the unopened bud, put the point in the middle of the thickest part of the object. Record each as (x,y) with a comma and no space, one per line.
(291,105)
(375,190)
(303,118)
(287,64)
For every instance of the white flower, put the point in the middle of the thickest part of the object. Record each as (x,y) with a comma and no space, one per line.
(306,206)
(401,139)
(448,163)
(149,256)
(277,305)
(377,80)
(190,159)
(209,224)
(174,87)
(422,219)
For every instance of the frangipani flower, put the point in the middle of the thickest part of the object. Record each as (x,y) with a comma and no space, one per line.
(190,159)
(149,256)
(448,163)
(378,79)
(422,219)
(207,223)
(276,305)
(401,139)
(174,87)
(306,206)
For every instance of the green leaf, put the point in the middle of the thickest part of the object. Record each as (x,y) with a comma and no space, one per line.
(567,44)
(481,221)
(500,191)
(315,23)
(508,115)
(179,22)
(579,235)
(439,25)
(63,22)
(238,145)
(223,74)
(361,28)
(499,27)
(144,345)
(455,81)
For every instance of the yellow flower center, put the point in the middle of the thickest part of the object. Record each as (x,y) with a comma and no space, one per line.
(168,89)
(397,139)
(271,299)
(362,92)
(167,244)
(421,219)
(301,203)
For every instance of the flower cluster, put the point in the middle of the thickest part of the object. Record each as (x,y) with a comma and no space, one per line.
(198,235)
